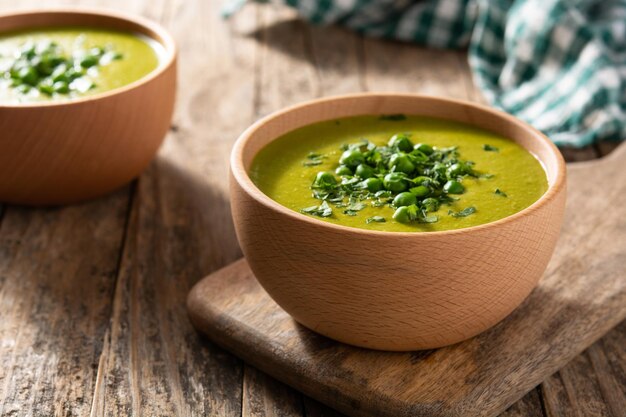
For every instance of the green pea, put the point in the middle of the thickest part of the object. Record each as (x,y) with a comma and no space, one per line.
(404,199)
(401,141)
(46,88)
(343,170)
(28,50)
(420,191)
(44,66)
(431,204)
(28,75)
(54,60)
(395,182)
(456,170)
(14,72)
(23,88)
(453,187)
(110,56)
(422,180)
(373,184)
(352,158)
(89,61)
(59,73)
(438,168)
(324,179)
(364,171)
(73,73)
(402,163)
(61,87)
(424,148)
(401,215)
(35,61)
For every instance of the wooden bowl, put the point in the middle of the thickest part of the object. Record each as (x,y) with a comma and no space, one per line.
(389,290)
(63,152)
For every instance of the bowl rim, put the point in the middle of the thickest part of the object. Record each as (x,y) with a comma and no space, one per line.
(165,40)
(243,179)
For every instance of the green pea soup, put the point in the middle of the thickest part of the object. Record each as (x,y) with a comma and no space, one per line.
(136,55)
(511,177)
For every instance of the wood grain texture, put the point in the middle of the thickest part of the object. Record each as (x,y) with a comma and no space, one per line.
(390,67)
(263,396)
(179,229)
(593,384)
(575,304)
(63,152)
(528,406)
(56,305)
(220,93)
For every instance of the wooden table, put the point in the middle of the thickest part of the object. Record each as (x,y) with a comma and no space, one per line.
(93,319)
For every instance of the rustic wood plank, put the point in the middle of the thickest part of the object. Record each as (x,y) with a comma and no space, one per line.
(263,396)
(609,363)
(56,305)
(591,384)
(528,406)
(338,56)
(146,368)
(395,66)
(286,74)
(180,229)
(574,391)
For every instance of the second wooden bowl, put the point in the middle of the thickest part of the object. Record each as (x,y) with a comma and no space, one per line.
(387,290)
(63,152)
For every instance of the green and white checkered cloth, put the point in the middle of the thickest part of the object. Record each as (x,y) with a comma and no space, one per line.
(558,64)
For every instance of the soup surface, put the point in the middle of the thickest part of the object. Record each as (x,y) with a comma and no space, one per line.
(504,178)
(63,63)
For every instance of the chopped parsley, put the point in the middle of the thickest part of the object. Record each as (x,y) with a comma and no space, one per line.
(415,180)
(463,213)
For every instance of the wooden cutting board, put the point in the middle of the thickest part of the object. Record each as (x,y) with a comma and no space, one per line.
(580,298)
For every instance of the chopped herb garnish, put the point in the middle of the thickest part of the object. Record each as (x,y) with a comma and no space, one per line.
(43,67)
(393,117)
(413,180)
(313,159)
(358,206)
(323,210)
(430,219)
(490,148)
(463,213)
(312,163)
(500,193)
(375,219)
(353,208)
